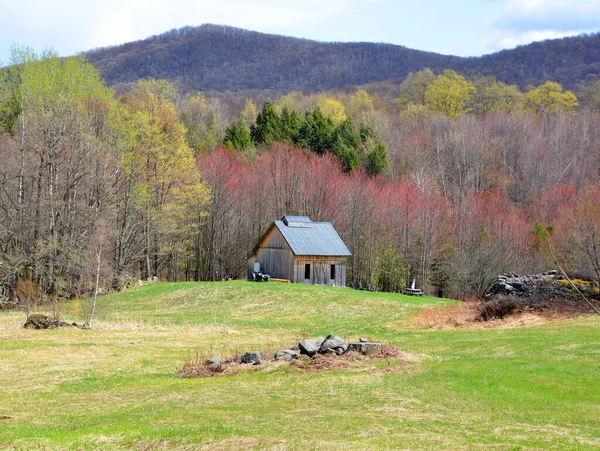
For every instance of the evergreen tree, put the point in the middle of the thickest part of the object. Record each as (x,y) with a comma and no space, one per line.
(348,133)
(347,139)
(237,136)
(317,132)
(348,156)
(376,161)
(290,123)
(267,127)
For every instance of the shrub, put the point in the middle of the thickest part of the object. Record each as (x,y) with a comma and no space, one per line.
(499,307)
(28,294)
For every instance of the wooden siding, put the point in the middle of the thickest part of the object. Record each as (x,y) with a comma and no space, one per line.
(274,255)
(320,270)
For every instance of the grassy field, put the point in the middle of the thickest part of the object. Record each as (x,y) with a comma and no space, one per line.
(116,386)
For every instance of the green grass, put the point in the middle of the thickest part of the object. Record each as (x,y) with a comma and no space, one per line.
(115,387)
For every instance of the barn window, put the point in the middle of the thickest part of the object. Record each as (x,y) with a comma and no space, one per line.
(332,272)
(307,271)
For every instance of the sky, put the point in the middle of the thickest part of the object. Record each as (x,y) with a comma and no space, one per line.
(465,27)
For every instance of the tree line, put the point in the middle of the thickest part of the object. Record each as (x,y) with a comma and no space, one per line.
(442,182)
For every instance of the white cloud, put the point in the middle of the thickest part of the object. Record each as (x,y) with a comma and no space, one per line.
(514,40)
(74,25)
(524,21)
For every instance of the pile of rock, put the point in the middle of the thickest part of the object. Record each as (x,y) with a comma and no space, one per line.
(330,345)
(534,288)
(38,321)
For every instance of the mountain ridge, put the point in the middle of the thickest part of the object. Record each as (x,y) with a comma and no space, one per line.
(224,58)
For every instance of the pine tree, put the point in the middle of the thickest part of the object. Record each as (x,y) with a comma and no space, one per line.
(267,128)
(237,136)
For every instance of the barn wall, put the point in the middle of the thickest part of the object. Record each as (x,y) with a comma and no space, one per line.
(274,255)
(320,270)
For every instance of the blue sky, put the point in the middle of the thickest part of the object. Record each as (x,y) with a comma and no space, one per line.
(468,27)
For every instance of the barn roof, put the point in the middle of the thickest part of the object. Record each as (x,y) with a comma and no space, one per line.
(308,238)
(311,238)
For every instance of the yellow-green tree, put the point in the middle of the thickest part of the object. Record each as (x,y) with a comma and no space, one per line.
(413,88)
(493,96)
(59,110)
(250,112)
(449,94)
(359,105)
(199,120)
(291,101)
(332,108)
(550,98)
(164,169)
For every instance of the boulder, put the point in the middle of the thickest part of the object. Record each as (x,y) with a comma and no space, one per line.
(310,346)
(213,363)
(366,348)
(335,343)
(251,358)
(287,354)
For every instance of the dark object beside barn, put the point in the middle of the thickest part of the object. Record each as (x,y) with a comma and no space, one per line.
(302,251)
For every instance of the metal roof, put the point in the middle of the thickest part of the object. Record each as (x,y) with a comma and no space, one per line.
(313,238)
(288,219)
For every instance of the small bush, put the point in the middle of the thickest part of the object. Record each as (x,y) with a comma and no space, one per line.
(499,307)
(28,294)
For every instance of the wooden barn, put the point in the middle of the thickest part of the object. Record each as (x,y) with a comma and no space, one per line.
(302,251)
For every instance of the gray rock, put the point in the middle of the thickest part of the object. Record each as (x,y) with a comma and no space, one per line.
(251,358)
(213,362)
(366,348)
(287,354)
(335,343)
(363,340)
(532,289)
(310,346)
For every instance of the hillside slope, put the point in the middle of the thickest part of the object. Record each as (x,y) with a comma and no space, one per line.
(115,387)
(220,58)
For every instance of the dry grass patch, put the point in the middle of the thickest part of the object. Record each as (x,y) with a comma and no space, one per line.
(462,315)
(467,315)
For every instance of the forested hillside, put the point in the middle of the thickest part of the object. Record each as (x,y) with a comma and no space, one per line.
(220,58)
(451,181)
